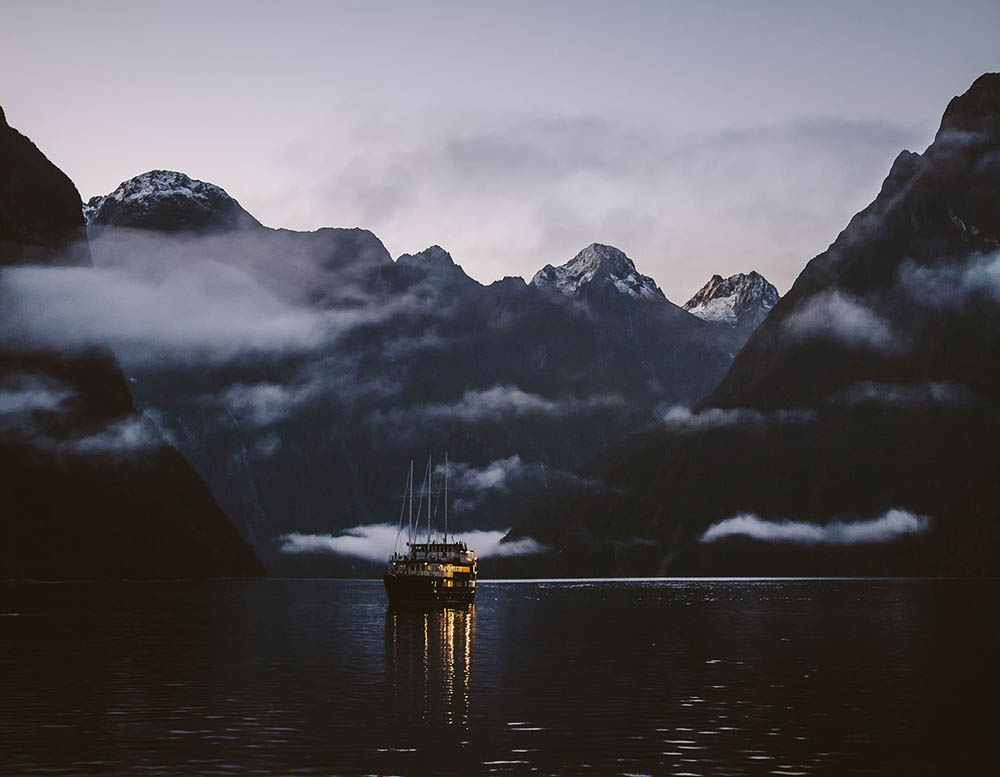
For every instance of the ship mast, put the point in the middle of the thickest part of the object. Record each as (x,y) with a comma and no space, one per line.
(430,486)
(410,535)
(407,491)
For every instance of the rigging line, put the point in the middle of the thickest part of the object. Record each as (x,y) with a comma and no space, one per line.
(437,505)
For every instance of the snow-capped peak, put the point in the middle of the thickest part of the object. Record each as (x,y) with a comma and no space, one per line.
(168,200)
(598,266)
(741,300)
(164,183)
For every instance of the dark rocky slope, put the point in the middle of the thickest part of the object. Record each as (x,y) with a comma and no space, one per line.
(917,259)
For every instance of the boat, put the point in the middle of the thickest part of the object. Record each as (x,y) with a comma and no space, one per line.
(435,571)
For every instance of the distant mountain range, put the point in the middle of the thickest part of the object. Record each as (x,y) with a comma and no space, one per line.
(858,431)
(851,427)
(91,490)
(527,380)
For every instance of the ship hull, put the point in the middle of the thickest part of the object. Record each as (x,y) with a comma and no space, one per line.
(425,591)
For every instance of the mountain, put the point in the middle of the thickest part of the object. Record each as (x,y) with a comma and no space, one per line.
(169,202)
(858,430)
(520,382)
(906,292)
(91,490)
(742,300)
(597,274)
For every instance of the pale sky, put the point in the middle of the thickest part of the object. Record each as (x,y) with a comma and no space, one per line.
(698,137)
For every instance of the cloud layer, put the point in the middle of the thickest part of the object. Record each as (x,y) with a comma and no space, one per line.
(28,402)
(123,438)
(837,316)
(680,418)
(378,541)
(953,286)
(22,395)
(887,527)
(213,314)
(472,485)
(495,404)
(915,395)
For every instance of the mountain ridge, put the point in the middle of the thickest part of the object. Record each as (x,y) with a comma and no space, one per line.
(500,372)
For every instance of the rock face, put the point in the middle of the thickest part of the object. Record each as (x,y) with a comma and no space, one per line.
(871,387)
(91,490)
(532,379)
(40,217)
(742,300)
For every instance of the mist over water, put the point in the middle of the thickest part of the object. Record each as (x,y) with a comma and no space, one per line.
(695,677)
(378,541)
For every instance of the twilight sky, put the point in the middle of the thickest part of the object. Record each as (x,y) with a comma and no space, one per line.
(698,137)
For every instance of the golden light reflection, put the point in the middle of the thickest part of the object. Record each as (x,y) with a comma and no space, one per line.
(429,663)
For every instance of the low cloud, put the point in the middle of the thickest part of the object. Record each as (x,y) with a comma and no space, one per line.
(956,285)
(683,419)
(887,527)
(28,402)
(23,395)
(472,485)
(496,475)
(378,541)
(917,395)
(215,314)
(497,403)
(834,315)
(122,438)
(267,446)
(205,312)
(264,404)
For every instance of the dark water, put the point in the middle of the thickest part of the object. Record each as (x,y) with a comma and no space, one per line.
(624,677)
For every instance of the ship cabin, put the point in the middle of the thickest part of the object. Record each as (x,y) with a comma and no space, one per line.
(452,562)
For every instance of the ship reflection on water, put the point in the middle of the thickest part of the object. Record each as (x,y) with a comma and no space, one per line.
(701,677)
(428,656)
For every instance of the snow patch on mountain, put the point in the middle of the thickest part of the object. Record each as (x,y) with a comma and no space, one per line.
(721,310)
(156,184)
(170,200)
(598,265)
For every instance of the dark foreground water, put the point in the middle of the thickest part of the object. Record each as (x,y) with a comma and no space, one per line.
(566,678)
